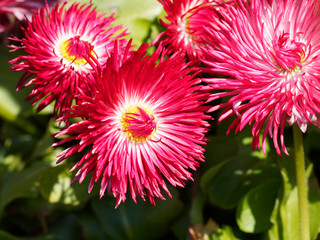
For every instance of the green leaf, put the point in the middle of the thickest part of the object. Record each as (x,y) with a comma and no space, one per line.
(12,162)
(43,147)
(160,218)
(7,236)
(12,104)
(180,226)
(91,227)
(285,216)
(17,142)
(136,221)
(21,184)
(314,209)
(220,149)
(231,178)
(55,187)
(125,222)
(196,212)
(66,228)
(254,210)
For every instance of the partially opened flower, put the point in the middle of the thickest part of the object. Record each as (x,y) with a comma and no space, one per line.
(144,124)
(184,25)
(59,44)
(270,50)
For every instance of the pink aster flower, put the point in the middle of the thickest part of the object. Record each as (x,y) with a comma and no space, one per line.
(184,25)
(270,51)
(144,124)
(59,44)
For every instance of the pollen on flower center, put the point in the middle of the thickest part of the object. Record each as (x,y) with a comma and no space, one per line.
(138,123)
(288,54)
(75,49)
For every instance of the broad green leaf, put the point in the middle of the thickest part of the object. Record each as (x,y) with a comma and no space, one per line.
(66,228)
(12,104)
(136,221)
(17,142)
(196,211)
(229,180)
(43,147)
(91,227)
(285,216)
(7,236)
(125,222)
(20,184)
(160,218)
(55,187)
(255,208)
(180,226)
(314,209)
(220,149)
(12,162)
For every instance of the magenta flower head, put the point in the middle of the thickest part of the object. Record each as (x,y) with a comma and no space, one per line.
(184,25)
(144,124)
(270,51)
(59,45)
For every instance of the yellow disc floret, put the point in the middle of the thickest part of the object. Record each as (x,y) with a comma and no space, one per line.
(75,50)
(138,123)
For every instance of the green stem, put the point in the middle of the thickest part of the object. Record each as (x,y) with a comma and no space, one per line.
(302,184)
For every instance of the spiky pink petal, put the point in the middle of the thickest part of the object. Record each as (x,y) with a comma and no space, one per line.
(144,124)
(184,25)
(270,51)
(59,44)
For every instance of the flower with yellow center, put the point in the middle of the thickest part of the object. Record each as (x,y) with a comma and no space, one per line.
(144,124)
(76,51)
(60,45)
(138,124)
(270,52)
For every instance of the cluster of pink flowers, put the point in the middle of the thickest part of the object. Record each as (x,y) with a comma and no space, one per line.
(144,117)
(138,126)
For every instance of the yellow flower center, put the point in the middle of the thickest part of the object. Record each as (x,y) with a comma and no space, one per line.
(76,51)
(138,124)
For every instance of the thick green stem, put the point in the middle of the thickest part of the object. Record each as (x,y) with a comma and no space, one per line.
(302,184)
